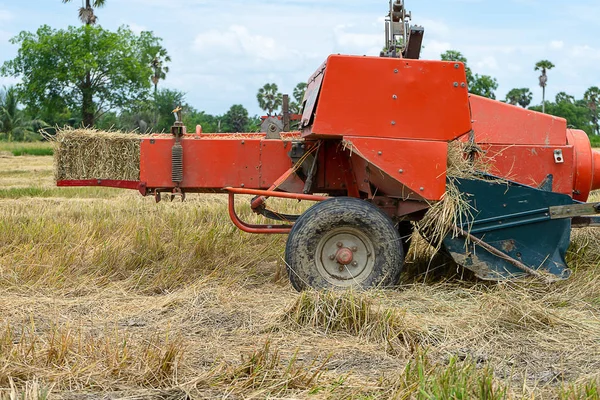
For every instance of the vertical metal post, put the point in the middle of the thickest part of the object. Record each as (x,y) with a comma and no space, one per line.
(286,113)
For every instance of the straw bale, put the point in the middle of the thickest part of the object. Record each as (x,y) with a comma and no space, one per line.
(93,154)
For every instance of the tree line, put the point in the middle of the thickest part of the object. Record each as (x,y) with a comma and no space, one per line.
(92,77)
(581,113)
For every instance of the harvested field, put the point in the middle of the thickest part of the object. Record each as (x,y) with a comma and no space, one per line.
(105,294)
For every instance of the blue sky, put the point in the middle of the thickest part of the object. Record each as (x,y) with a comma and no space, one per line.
(223,51)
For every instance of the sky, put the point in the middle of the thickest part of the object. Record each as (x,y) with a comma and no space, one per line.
(224,51)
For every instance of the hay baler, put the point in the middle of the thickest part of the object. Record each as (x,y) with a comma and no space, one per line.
(372,152)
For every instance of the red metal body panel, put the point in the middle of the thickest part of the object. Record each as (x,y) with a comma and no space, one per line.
(212,162)
(499,123)
(586,170)
(530,165)
(391,98)
(331,175)
(419,165)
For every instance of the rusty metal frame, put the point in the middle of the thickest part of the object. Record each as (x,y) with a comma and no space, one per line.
(268,229)
(120,184)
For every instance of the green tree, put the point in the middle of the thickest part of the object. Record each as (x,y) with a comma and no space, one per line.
(576,114)
(208,122)
(254,124)
(269,98)
(520,97)
(592,101)
(544,66)
(299,90)
(484,85)
(562,97)
(86,14)
(154,114)
(165,101)
(159,70)
(481,85)
(53,64)
(13,121)
(236,119)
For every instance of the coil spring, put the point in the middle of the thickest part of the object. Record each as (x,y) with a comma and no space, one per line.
(177,163)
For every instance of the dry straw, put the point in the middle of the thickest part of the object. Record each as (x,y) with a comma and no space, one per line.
(453,210)
(93,154)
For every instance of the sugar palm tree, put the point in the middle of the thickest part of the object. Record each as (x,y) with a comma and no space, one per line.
(269,98)
(543,65)
(86,14)
(592,99)
(160,71)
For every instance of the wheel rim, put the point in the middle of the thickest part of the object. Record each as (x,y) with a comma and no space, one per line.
(345,256)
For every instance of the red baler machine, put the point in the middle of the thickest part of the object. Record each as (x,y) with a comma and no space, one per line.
(372,151)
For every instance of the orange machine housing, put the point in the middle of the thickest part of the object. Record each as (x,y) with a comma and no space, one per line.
(378,128)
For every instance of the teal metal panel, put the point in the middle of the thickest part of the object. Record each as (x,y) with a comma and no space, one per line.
(515,220)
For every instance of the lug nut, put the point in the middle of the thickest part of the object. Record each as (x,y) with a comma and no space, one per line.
(339,244)
(341,268)
(332,257)
(354,263)
(354,248)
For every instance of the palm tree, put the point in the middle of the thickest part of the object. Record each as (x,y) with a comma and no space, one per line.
(269,98)
(543,65)
(521,97)
(563,97)
(86,14)
(12,120)
(592,98)
(296,105)
(160,72)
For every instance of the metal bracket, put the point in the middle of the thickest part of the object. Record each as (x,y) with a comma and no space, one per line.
(558,157)
(297,151)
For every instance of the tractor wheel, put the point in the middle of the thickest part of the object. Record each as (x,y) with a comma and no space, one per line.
(343,242)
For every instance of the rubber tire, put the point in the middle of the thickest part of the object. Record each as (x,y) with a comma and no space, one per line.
(342,212)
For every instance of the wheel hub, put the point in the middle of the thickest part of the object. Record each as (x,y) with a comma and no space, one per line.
(344,256)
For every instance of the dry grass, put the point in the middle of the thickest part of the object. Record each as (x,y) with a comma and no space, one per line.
(91,154)
(355,314)
(453,210)
(114,296)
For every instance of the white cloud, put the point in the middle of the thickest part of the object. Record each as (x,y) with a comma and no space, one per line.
(5,36)
(358,43)
(239,41)
(488,63)
(434,48)
(557,44)
(6,15)
(135,28)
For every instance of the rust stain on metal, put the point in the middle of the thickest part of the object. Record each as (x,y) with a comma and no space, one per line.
(508,245)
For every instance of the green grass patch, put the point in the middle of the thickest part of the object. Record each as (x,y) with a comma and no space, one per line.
(595,140)
(27,149)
